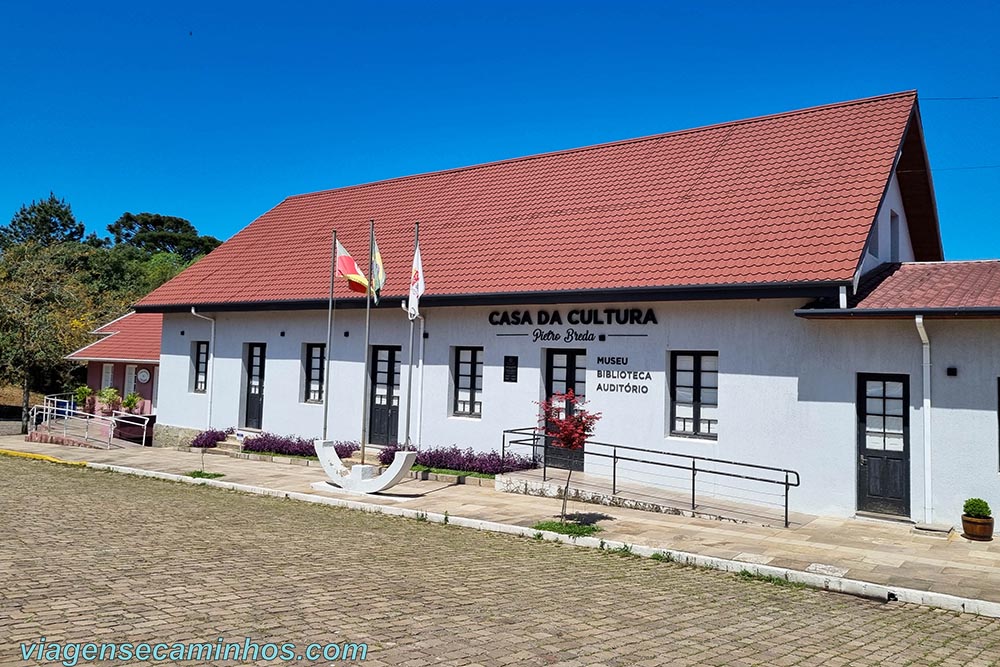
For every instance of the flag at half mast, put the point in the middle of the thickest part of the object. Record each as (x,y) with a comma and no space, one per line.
(348,268)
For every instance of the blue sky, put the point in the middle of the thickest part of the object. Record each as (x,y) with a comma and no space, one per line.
(215,112)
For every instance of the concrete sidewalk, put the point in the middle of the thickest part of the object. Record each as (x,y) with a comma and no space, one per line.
(869,551)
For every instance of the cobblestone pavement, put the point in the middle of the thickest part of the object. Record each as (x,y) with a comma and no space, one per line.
(94,556)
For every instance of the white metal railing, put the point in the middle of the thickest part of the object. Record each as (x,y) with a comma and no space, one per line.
(55,415)
(63,401)
(133,420)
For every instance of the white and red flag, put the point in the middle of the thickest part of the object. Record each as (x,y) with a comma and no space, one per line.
(416,283)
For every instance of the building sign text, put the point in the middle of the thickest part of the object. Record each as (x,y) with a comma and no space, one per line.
(577,316)
(636,382)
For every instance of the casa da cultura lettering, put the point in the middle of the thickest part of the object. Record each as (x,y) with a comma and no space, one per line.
(577,316)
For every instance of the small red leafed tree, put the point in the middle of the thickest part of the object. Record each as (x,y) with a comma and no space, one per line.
(567,424)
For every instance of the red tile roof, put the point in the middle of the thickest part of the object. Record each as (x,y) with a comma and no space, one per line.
(926,286)
(778,199)
(134,337)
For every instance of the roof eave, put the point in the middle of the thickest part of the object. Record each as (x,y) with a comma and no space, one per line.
(912,154)
(815,289)
(112,359)
(973,312)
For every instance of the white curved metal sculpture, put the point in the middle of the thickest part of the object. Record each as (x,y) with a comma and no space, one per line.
(362,478)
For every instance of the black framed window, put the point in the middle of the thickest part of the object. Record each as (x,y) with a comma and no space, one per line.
(694,394)
(200,366)
(468,376)
(315,366)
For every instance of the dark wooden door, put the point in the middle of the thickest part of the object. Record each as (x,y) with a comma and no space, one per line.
(884,443)
(383,426)
(255,385)
(565,370)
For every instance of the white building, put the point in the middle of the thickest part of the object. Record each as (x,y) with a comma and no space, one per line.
(769,291)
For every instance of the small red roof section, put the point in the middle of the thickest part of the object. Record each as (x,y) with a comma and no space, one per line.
(928,286)
(133,337)
(773,200)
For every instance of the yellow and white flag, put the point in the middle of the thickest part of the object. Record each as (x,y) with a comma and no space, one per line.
(377,270)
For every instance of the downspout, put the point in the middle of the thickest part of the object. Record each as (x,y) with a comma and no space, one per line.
(211,364)
(926,377)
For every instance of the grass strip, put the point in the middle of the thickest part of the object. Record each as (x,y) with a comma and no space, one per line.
(568,528)
(202,474)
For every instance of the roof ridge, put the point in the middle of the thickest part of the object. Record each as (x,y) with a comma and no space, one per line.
(608,144)
(952,262)
(98,332)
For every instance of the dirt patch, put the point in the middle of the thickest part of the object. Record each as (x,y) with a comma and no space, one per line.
(11,396)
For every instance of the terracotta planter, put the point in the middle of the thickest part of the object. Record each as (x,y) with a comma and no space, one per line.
(977,529)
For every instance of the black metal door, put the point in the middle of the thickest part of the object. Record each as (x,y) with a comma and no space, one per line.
(255,385)
(884,443)
(565,370)
(383,425)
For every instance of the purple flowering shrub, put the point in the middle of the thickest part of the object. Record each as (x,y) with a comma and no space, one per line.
(293,445)
(208,439)
(467,460)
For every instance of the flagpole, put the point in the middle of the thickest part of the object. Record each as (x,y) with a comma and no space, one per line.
(409,367)
(329,335)
(368,321)
(420,386)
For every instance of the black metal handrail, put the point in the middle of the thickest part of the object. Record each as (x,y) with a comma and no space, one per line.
(536,438)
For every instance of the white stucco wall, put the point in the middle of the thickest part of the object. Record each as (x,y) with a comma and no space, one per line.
(878,250)
(964,415)
(787,389)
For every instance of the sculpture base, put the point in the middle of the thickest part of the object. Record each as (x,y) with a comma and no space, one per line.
(330,487)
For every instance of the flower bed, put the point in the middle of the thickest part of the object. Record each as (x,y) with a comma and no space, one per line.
(208,439)
(293,445)
(461,460)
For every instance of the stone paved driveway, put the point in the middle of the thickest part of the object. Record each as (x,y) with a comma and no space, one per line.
(87,555)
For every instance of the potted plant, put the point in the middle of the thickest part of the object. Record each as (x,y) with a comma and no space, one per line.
(82,394)
(977,520)
(131,402)
(109,400)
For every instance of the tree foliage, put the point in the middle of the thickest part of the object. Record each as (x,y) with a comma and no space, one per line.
(44,315)
(43,223)
(564,419)
(57,285)
(155,233)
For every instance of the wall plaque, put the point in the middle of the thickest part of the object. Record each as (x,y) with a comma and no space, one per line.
(510,369)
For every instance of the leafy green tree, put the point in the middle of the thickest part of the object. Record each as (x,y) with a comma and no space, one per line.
(44,223)
(56,285)
(156,233)
(160,268)
(45,314)
(95,241)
